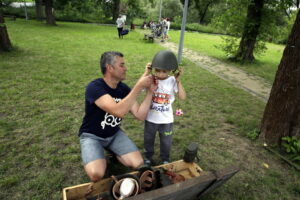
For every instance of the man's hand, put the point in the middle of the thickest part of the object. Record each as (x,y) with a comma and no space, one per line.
(145,81)
(148,69)
(154,85)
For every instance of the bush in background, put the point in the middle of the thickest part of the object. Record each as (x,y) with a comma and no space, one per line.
(198,27)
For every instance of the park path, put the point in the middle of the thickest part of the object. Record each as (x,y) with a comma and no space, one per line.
(253,84)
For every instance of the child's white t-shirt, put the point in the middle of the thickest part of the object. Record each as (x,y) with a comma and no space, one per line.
(161,111)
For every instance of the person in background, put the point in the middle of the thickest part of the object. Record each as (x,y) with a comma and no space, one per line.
(168,28)
(163,29)
(144,25)
(107,101)
(120,24)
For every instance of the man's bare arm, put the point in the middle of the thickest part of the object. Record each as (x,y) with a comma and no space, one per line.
(120,109)
(140,111)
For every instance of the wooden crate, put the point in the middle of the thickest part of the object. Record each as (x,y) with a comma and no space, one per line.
(197,184)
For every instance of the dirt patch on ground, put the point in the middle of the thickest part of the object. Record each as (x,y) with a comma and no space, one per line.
(250,156)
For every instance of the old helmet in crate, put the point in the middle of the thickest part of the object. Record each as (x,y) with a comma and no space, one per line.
(165,60)
(116,186)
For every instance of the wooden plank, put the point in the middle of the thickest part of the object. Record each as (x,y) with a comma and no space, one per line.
(190,189)
(186,190)
(79,191)
(188,170)
(222,176)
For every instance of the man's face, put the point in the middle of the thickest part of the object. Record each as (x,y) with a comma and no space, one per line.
(119,69)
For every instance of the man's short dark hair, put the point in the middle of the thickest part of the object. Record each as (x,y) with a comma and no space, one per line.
(108,57)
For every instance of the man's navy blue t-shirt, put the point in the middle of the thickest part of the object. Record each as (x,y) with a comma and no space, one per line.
(96,120)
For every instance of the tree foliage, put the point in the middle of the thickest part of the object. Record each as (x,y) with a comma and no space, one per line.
(226,15)
(202,6)
(172,8)
(132,9)
(233,21)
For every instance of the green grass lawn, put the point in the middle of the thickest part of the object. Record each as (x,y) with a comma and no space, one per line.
(265,66)
(42,104)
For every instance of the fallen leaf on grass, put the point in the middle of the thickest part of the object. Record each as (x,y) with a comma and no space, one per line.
(266,165)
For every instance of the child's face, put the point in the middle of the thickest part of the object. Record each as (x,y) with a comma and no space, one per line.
(161,74)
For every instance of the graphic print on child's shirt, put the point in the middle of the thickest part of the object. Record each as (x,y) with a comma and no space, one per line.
(162,99)
(161,106)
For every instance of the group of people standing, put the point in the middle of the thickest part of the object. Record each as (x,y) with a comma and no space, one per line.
(165,27)
(160,29)
(108,100)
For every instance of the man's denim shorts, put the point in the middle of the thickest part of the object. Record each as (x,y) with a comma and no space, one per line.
(92,146)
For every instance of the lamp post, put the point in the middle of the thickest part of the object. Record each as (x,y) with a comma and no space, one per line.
(25,10)
(182,30)
(160,5)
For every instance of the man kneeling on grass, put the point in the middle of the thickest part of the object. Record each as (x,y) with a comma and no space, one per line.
(107,101)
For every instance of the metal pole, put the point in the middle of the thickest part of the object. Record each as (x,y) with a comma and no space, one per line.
(182,30)
(160,11)
(25,9)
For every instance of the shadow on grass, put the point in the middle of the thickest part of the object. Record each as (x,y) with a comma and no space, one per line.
(16,51)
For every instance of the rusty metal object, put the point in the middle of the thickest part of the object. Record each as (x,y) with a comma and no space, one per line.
(175,178)
(147,180)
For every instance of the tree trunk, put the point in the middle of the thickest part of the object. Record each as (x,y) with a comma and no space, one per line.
(116,9)
(39,10)
(5,44)
(202,14)
(250,32)
(282,113)
(49,10)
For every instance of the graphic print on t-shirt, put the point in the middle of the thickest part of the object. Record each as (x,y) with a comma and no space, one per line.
(111,120)
(160,102)
(161,98)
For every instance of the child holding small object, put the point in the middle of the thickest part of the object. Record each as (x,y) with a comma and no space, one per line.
(160,117)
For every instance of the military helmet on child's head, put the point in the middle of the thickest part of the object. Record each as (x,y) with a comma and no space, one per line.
(165,60)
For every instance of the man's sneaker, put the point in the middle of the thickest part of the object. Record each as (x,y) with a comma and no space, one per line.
(165,162)
(148,162)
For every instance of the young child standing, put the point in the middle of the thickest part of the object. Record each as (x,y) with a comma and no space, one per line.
(160,117)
